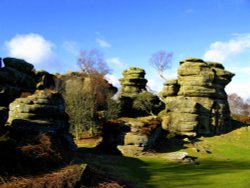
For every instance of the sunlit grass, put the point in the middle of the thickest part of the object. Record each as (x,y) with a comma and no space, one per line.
(228,165)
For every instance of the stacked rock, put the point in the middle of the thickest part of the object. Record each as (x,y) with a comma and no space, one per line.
(133,82)
(19,76)
(196,103)
(45,80)
(42,112)
(171,88)
(133,136)
(15,77)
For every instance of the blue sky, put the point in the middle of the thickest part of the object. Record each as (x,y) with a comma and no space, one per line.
(51,33)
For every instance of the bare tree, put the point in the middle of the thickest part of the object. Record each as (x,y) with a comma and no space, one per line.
(248,101)
(238,105)
(161,61)
(92,62)
(83,104)
(247,107)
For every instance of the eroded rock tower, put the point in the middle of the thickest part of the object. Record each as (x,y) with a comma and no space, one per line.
(196,103)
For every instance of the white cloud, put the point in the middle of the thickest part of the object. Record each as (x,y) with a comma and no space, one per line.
(103,43)
(155,82)
(239,88)
(113,80)
(155,85)
(220,51)
(115,62)
(31,47)
(71,47)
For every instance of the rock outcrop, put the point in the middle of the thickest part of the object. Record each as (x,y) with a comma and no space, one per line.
(19,78)
(196,103)
(15,77)
(134,98)
(133,82)
(33,124)
(42,112)
(131,136)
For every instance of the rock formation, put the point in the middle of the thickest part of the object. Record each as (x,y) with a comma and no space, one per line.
(196,103)
(34,113)
(134,98)
(17,77)
(131,136)
(42,112)
(133,82)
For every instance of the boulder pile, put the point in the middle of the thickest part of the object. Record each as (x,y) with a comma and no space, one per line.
(134,98)
(19,78)
(42,112)
(196,103)
(131,136)
(24,111)
(15,77)
(133,82)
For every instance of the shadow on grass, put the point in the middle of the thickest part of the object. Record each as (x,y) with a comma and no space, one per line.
(128,171)
(165,145)
(155,172)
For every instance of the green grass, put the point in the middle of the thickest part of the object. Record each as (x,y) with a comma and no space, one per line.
(228,165)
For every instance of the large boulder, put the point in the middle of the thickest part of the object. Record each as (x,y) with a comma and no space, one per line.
(16,76)
(134,98)
(46,80)
(133,82)
(18,64)
(43,107)
(196,103)
(131,136)
(8,93)
(42,112)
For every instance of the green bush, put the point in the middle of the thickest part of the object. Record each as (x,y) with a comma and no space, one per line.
(147,103)
(86,109)
(80,108)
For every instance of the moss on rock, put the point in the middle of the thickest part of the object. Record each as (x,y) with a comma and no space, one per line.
(199,93)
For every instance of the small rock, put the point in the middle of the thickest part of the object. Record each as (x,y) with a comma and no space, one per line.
(176,155)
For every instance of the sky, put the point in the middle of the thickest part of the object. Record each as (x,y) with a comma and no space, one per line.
(51,33)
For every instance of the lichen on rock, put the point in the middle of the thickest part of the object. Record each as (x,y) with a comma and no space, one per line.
(196,102)
(131,136)
(133,82)
(134,98)
(42,112)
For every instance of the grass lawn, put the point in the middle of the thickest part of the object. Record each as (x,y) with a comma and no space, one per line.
(226,165)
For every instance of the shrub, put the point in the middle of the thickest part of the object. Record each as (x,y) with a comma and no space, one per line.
(89,106)
(147,103)
(81,109)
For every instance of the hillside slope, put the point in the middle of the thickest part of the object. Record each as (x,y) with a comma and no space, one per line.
(221,161)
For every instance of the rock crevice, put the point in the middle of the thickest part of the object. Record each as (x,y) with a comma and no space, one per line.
(196,102)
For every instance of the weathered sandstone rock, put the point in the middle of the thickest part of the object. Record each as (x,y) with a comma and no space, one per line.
(196,103)
(132,136)
(42,112)
(133,82)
